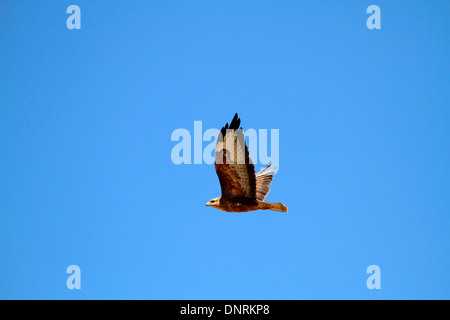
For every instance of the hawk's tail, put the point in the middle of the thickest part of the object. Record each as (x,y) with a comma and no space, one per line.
(273,206)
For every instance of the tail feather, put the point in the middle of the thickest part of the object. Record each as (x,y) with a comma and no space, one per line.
(274,206)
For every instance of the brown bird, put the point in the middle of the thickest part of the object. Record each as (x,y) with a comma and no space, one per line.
(242,189)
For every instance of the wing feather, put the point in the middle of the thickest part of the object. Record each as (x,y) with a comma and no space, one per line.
(263,180)
(233,165)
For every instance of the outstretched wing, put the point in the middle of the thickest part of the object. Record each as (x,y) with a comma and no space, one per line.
(233,165)
(263,181)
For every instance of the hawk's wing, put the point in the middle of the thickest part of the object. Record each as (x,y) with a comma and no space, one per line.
(263,180)
(233,165)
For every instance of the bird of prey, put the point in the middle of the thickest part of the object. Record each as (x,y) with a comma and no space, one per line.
(242,189)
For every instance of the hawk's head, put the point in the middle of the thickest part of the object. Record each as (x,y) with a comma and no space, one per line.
(215,203)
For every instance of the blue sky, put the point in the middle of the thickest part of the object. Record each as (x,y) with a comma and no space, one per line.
(87,177)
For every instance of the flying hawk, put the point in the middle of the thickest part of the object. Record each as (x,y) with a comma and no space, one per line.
(242,189)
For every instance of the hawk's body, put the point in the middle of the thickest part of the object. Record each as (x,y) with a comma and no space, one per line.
(242,189)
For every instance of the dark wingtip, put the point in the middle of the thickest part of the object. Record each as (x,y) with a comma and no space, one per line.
(234,125)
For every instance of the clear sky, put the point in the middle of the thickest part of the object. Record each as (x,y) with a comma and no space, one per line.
(87,177)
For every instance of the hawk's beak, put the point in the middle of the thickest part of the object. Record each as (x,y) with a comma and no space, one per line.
(208,204)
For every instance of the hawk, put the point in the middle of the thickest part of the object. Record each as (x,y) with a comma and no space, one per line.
(242,189)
